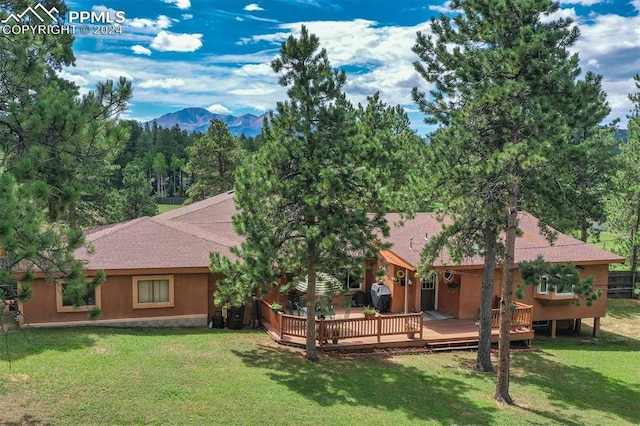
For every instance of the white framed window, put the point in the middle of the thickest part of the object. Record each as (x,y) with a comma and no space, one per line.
(153,291)
(428,283)
(566,293)
(352,280)
(90,300)
(543,285)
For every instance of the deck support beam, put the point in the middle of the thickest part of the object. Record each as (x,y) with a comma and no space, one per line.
(577,325)
(596,327)
(554,323)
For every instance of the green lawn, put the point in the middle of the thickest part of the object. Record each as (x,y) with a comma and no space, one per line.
(163,208)
(182,376)
(606,240)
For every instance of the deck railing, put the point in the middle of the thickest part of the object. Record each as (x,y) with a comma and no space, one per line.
(345,328)
(521,316)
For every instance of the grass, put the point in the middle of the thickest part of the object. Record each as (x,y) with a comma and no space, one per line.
(191,376)
(163,208)
(605,240)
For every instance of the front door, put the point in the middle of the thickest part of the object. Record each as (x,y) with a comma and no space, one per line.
(428,294)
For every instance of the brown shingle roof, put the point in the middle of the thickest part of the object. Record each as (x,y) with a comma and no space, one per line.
(180,238)
(184,237)
(528,246)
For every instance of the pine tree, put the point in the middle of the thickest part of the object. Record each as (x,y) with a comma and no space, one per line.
(136,199)
(623,204)
(49,137)
(303,197)
(583,173)
(504,84)
(213,159)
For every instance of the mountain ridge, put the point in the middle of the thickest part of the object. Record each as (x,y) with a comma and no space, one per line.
(197,120)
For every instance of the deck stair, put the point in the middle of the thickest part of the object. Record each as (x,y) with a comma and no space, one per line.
(447,345)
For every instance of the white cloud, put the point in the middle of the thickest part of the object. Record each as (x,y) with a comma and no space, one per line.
(169,42)
(166,83)
(140,50)
(618,98)
(218,109)
(162,23)
(79,80)
(181,4)
(253,7)
(187,16)
(610,45)
(253,90)
(110,74)
(380,58)
(206,82)
(257,18)
(561,14)
(444,8)
(254,70)
(608,35)
(111,12)
(593,63)
(582,2)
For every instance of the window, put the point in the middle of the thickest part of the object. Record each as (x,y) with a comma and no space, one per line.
(353,280)
(428,283)
(88,301)
(565,293)
(154,291)
(543,286)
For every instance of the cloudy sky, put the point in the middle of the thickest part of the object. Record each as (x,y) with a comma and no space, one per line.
(215,54)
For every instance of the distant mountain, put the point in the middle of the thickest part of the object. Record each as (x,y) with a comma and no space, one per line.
(621,135)
(197,120)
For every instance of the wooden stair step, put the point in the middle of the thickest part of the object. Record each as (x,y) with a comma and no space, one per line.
(452,348)
(453,344)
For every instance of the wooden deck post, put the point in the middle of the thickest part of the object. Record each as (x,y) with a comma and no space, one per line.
(554,323)
(379,326)
(596,327)
(321,331)
(577,325)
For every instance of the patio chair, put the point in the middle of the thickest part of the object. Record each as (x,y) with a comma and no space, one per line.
(301,306)
(290,307)
(324,307)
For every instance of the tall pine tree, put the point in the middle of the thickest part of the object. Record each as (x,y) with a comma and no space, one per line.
(213,159)
(504,84)
(303,199)
(623,204)
(49,139)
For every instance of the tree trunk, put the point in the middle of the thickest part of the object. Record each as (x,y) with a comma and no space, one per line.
(504,342)
(634,250)
(312,352)
(584,233)
(483,360)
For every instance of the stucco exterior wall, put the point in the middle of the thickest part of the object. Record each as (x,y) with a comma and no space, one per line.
(467,305)
(449,299)
(191,296)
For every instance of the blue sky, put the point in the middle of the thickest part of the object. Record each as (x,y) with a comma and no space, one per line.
(215,54)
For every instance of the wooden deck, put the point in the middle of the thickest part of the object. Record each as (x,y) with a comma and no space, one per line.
(445,334)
